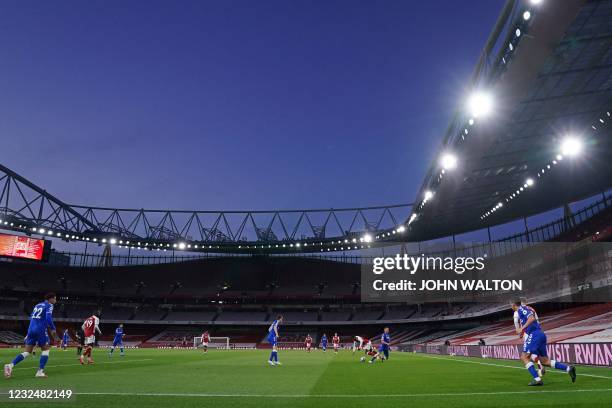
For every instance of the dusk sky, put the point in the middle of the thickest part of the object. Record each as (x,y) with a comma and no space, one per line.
(233,104)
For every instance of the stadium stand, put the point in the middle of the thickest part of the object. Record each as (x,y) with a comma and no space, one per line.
(9,337)
(568,325)
(336,316)
(242,316)
(191,316)
(237,297)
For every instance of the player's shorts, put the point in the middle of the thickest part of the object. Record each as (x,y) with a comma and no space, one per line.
(89,340)
(205,343)
(272,339)
(117,342)
(535,343)
(37,339)
(308,345)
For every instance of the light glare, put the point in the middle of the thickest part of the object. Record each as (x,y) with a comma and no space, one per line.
(571,147)
(448,161)
(480,104)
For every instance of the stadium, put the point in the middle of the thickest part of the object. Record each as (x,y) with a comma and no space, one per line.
(320,306)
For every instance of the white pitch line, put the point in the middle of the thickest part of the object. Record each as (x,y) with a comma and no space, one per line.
(548,369)
(78,364)
(458,394)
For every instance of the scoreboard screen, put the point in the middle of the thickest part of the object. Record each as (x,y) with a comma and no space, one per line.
(21,247)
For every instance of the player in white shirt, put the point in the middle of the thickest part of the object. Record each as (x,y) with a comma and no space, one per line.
(361,343)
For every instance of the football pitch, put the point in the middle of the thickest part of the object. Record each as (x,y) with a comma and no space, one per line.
(242,378)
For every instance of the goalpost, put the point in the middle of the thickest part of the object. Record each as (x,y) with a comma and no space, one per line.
(215,342)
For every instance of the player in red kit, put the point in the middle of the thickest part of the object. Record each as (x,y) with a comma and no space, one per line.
(308,343)
(90,328)
(205,341)
(336,342)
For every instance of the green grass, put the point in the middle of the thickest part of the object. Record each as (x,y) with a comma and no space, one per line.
(187,378)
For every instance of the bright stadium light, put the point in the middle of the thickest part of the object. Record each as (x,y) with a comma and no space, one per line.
(367,238)
(401,228)
(480,104)
(113,241)
(529,182)
(412,218)
(535,2)
(428,195)
(448,161)
(181,245)
(571,146)
(526,15)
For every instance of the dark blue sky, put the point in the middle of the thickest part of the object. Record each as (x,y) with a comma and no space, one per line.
(233,104)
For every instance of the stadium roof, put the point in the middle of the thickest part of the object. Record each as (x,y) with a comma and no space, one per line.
(547,73)
(550,80)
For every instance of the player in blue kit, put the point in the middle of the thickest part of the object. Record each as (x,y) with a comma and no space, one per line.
(65,340)
(385,342)
(118,341)
(324,342)
(41,319)
(535,343)
(272,339)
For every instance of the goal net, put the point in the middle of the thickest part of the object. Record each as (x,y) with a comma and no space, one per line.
(215,342)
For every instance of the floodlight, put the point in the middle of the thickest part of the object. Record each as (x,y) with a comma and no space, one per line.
(448,161)
(571,146)
(480,104)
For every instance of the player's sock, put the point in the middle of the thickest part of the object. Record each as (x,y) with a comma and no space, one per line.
(529,366)
(536,359)
(276,356)
(559,366)
(111,350)
(272,355)
(19,358)
(121,350)
(44,357)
